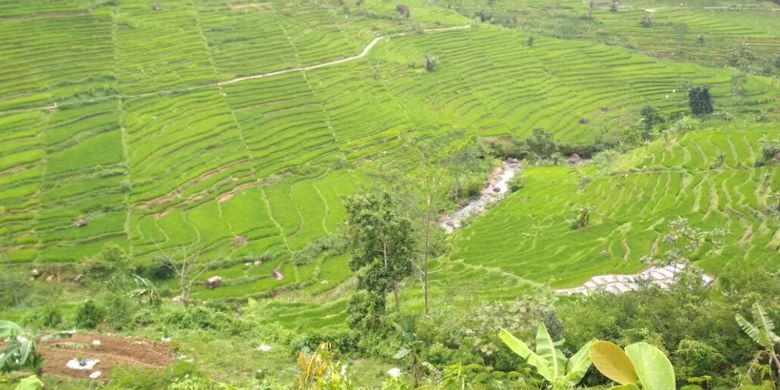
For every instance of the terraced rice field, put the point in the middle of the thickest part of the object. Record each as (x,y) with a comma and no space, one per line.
(703,31)
(528,234)
(146,147)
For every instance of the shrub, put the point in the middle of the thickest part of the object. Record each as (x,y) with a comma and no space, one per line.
(344,341)
(120,311)
(646,21)
(88,315)
(700,101)
(47,317)
(431,62)
(15,289)
(693,358)
(541,143)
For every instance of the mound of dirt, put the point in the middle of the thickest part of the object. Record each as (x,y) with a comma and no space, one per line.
(111,352)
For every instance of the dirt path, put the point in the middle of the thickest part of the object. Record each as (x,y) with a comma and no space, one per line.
(362,54)
(618,284)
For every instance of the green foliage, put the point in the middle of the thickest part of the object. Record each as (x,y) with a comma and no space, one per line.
(88,315)
(30,383)
(383,246)
(431,62)
(769,149)
(762,333)
(541,143)
(682,241)
(550,362)
(16,289)
(142,378)
(640,365)
(145,292)
(693,359)
(321,370)
(647,21)
(650,118)
(45,317)
(19,350)
(119,312)
(700,101)
(581,217)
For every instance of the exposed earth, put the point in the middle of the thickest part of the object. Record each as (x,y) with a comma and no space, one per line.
(110,352)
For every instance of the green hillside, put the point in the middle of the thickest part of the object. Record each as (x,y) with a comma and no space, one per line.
(141,137)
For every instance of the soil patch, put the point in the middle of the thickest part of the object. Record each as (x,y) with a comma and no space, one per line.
(111,352)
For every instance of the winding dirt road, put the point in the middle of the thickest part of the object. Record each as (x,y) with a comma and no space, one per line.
(362,54)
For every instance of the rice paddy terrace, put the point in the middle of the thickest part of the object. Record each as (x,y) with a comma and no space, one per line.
(634,202)
(140,124)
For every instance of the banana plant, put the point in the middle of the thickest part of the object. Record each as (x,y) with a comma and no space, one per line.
(20,351)
(550,363)
(762,331)
(640,366)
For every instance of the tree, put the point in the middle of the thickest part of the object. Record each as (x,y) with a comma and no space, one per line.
(187,267)
(647,21)
(590,9)
(762,331)
(683,240)
(430,62)
(403,11)
(421,197)
(700,101)
(383,244)
(640,366)
(582,217)
(550,362)
(741,57)
(615,6)
(650,117)
(465,162)
(541,143)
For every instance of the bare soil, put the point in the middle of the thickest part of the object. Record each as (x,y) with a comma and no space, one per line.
(111,352)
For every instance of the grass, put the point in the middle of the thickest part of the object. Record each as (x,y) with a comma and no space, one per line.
(529,236)
(148,148)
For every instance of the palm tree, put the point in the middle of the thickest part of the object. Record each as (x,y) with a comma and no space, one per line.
(761,330)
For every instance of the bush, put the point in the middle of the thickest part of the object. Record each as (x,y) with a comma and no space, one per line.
(120,311)
(365,310)
(646,21)
(694,358)
(47,317)
(700,101)
(344,341)
(157,269)
(15,289)
(88,315)
(205,318)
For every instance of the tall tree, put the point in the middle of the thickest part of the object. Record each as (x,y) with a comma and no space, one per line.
(421,194)
(382,243)
(700,100)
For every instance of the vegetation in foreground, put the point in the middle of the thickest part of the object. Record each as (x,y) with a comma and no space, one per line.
(281,232)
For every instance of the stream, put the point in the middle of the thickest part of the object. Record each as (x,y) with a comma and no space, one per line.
(495,190)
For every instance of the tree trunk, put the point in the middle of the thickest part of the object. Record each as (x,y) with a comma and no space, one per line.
(397,300)
(427,252)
